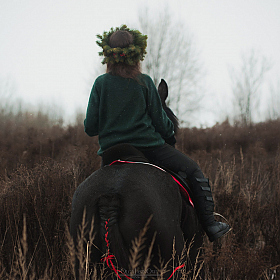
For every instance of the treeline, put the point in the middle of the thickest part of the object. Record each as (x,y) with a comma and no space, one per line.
(28,138)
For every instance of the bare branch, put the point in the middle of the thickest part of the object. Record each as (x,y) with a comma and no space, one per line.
(246,85)
(171,55)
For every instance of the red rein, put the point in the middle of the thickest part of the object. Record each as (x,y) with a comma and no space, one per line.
(109,257)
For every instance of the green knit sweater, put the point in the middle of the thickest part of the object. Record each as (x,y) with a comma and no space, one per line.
(126,111)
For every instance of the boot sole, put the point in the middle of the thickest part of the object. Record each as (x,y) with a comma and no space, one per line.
(219,234)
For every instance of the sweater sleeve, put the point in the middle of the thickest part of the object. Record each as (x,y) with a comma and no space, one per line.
(92,115)
(160,120)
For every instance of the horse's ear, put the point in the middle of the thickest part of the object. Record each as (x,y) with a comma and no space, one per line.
(163,90)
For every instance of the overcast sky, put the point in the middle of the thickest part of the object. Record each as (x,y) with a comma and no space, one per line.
(48,49)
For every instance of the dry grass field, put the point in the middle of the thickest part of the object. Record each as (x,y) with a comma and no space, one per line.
(42,163)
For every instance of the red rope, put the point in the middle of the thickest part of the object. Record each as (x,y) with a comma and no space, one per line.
(109,257)
(185,192)
(178,267)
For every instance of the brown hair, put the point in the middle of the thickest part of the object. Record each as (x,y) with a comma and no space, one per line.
(122,39)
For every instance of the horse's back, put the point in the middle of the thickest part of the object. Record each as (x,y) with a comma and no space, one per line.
(143,190)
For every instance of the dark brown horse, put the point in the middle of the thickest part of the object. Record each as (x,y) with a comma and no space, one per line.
(120,199)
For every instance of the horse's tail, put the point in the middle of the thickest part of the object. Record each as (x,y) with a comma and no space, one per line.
(112,240)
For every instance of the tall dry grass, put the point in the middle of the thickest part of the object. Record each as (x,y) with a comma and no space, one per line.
(42,164)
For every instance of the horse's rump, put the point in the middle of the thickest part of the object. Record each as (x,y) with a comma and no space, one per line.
(129,195)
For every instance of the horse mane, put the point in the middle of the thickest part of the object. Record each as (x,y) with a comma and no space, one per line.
(172,117)
(163,93)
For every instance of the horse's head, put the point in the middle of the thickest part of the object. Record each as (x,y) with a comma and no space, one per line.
(163,93)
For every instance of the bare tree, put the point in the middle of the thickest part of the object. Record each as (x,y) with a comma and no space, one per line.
(8,89)
(246,85)
(172,55)
(273,110)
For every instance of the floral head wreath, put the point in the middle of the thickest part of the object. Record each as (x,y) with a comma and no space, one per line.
(129,55)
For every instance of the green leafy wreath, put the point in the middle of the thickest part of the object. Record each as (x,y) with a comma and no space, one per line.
(129,55)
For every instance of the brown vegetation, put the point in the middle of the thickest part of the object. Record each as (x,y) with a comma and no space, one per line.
(42,162)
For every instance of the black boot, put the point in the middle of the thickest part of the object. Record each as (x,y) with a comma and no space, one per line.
(204,205)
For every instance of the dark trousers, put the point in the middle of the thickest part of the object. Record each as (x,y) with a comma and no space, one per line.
(174,160)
